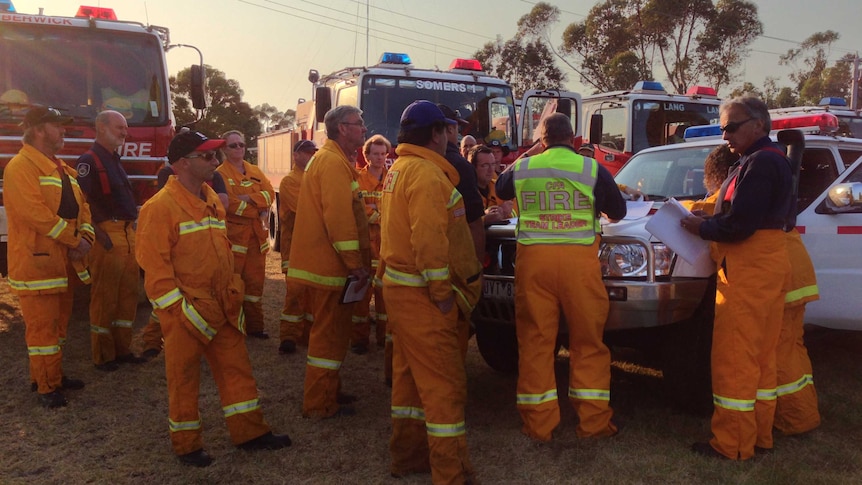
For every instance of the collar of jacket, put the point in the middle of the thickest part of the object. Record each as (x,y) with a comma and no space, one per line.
(334,149)
(233,172)
(407,149)
(45,165)
(191,203)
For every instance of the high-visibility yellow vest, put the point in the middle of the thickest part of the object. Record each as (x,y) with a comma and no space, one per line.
(555,198)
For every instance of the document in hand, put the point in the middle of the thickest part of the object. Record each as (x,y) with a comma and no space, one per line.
(665,225)
(354,290)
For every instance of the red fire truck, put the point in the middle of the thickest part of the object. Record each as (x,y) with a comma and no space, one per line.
(622,123)
(82,65)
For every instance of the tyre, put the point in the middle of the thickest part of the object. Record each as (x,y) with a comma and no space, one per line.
(274,229)
(498,345)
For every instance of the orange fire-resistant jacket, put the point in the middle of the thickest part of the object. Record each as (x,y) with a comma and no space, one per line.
(39,239)
(244,217)
(288,194)
(370,188)
(183,248)
(334,236)
(425,238)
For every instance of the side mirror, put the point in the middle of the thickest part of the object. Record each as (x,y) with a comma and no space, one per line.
(596,128)
(323,102)
(845,197)
(313,76)
(199,86)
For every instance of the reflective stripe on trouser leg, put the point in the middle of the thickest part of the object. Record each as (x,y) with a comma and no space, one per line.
(796,409)
(428,374)
(327,347)
(749,306)
(41,332)
(361,324)
(253,271)
(293,314)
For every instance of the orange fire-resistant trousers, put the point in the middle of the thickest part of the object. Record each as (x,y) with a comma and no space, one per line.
(46,318)
(327,347)
(114,292)
(361,312)
(749,305)
(429,388)
(251,265)
(228,360)
(548,277)
(796,409)
(296,318)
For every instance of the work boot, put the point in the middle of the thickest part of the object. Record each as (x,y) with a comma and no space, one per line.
(261,335)
(344,411)
(151,354)
(706,449)
(54,399)
(71,384)
(267,441)
(130,359)
(109,366)
(343,398)
(198,458)
(287,347)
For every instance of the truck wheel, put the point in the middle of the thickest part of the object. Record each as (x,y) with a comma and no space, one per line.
(498,345)
(274,230)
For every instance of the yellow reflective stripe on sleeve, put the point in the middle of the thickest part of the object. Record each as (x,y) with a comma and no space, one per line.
(353,185)
(264,247)
(436,274)
(446,430)
(536,399)
(84,276)
(36,285)
(241,407)
(266,195)
(328,364)
(407,412)
(184,425)
(100,330)
(87,228)
(198,321)
(284,265)
(453,198)
(795,386)
(462,298)
(55,181)
(240,324)
(299,274)
(377,282)
(767,394)
(404,279)
(292,318)
(204,224)
(155,317)
(239,249)
(251,298)
(590,394)
(122,323)
(43,350)
(167,299)
(57,229)
(744,405)
(801,293)
(382,317)
(352,245)
(241,207)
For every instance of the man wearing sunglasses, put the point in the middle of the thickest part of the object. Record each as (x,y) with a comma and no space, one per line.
(183,248)
(250,195)
(49,228)
(753,208)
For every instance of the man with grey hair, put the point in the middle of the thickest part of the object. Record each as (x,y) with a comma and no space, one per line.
(754,207)
(332,246)
(115,273)
(561,196)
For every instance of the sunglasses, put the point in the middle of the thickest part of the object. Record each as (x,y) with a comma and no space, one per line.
(734,126)
(236,145)
(208,156)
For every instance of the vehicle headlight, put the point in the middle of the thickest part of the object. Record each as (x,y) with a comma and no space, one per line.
(631,260)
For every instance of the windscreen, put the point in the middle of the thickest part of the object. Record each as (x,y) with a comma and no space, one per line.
(489,109)
(850,126)
(81,72)
(657,123)
(663,174)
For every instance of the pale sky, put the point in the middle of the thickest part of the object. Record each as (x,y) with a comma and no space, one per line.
(268,46)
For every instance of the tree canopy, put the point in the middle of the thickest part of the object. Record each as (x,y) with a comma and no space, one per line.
(813,77)
(272,119)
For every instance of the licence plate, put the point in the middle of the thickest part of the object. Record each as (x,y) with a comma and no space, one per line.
(498,289)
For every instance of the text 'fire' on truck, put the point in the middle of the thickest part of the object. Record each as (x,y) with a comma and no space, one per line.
(622,123)
(80,66)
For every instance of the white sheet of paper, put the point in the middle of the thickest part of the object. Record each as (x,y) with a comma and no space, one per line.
(354,290)
(637,209)
(664,224)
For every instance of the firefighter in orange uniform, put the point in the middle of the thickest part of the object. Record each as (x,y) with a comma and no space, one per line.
(754,271)
(49,236)
(496,209)
(183,248)
(376,149)
(250,197)
(431,279)
(295,317)
(557,266)
(332,245)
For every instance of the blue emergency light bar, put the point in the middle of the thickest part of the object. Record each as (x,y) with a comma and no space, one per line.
(833,101)
(7,6)
(702,131)
(394,58)
(648,86)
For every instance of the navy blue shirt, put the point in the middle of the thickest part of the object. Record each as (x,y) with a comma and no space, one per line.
(468,186)
(607,194)
(119,203)
(761,198)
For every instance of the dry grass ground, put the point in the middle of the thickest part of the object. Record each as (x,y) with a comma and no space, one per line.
(115,430)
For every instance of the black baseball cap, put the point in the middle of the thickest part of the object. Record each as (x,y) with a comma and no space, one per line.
(191,141)
(452,115)
(304,146)
(43,114)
